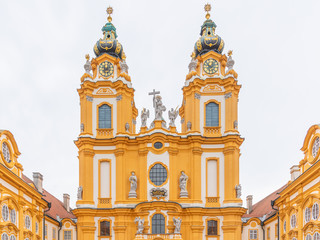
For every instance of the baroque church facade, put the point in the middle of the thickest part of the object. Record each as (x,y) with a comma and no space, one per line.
(154,181)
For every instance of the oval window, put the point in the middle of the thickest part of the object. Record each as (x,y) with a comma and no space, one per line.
(158,145)
(158,174)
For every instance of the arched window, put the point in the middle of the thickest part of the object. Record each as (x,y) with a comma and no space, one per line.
(13,216)
(158,224)
(4,236)
(316,236)
(12,237)
(212,115)
(307,215)
(5,212)
(308,237)
(105,228)
(105,116)
(212,227)
(293,221)
(315,211)
(284,226)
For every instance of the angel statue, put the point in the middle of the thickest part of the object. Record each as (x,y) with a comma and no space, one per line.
(140,224)
(144,117)
(173,114)
(177,224)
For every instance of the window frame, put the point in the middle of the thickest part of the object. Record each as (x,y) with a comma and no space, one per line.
(166,168)
(164,223)
(315,205)
(5,213)
(217,226)
(256,234)
(25,222)
(110,231)
(4,234)
(71,234)
(219,113)
(293,219)
(98,114)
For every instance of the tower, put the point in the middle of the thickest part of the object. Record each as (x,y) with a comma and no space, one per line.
(157,182)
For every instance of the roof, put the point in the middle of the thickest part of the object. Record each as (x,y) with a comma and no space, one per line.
(263,208)
(57,209)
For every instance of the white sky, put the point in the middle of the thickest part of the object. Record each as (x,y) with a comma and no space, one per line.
(276,49)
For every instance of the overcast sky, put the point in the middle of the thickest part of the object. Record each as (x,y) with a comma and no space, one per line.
(276,49)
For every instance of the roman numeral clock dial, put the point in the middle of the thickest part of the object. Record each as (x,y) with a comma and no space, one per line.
(106,69)
(210,66)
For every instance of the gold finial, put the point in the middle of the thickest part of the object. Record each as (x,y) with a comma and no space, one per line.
(87,57)
(230,53)
(109,11)
(193,55)
(207,8)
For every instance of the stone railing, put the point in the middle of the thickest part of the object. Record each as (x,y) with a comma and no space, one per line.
(104,132)
(176,236)
(212,131)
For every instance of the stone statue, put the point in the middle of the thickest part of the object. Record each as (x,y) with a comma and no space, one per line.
(183,185)
(133,185)
(157,104)
(193,65)
(177,224)
(230,61)
(123,66)
(144,117)
(238,190)
(79,194)
(173,114)
(159,107)
(87,66)
(140,224)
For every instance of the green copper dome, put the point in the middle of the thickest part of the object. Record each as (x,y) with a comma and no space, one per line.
(209,41)
(109,43)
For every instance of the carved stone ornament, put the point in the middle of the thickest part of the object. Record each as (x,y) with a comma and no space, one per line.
(119,97)
(189,126)
(228,95)
(80,192)
(133,185)
(193,65)
(235,124)
(140,223)
(82,127)
(230,61)
(182,120)
(177,224)
(123,66)
(127,127)
(197,96)
(158,192)
(238,190)
(134,122)
(90,99)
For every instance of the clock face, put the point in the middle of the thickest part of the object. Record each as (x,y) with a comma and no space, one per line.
(210,66)
(106,69)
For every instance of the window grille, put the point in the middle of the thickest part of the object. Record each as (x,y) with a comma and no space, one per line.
(308,237)
(212,227)
(212,115)
(105,228)
(105,116)
(253,234)
(13,216)
(316,236)
(6,152)
(5,212)
(158,224)
(315,211)
(284,226)
(307,215)
(293,221)
(12,237)
(158,174)
(67,235)
(4,236)
(27,222)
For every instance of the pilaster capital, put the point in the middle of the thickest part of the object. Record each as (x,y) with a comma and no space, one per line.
(143,152)
(197,151)
(173,151)
(119,229)
(119,152)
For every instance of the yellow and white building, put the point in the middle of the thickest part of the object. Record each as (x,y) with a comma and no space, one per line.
(29,212)
(154,181)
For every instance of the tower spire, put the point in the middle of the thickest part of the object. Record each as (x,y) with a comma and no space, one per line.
(109,11)
(207,8)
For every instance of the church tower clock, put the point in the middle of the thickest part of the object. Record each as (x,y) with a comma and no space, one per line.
(155,181)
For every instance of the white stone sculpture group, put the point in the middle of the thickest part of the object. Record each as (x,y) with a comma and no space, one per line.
(140,224)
